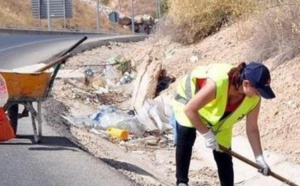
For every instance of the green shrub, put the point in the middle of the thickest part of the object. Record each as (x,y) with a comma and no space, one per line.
(165,6)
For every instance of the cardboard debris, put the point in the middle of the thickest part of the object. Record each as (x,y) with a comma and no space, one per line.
(146,82)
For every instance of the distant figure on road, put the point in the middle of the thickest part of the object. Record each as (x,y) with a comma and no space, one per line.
(210,100)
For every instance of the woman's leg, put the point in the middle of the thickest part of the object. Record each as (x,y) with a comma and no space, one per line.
(185,141)
(225,168)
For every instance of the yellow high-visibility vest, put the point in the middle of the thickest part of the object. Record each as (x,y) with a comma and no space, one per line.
(214,110)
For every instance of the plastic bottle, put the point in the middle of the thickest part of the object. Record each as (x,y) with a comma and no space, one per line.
(119,133)
(3,91)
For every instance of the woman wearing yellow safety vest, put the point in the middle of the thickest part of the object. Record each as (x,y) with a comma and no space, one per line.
(210,100)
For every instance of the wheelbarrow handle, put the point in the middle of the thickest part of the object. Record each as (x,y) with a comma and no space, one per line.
(58,65)
(55,62)
(74,46)
(255,165)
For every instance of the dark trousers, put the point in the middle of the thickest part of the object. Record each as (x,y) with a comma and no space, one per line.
(185,141)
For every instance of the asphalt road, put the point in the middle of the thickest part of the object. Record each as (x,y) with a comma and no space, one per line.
(22,50)
(56,161)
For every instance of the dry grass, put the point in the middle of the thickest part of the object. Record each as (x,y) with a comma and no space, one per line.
(193,20)
(271,27)
(15,13)
(274,31)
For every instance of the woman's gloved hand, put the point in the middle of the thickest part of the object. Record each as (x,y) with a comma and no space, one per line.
(211,140)
(264,168)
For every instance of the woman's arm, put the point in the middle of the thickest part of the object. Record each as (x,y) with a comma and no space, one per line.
(203,96)
(253,131)
(254,139)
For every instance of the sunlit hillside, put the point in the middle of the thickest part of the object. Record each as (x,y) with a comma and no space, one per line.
(17,14)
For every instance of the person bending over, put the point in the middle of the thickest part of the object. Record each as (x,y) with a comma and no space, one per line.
(210,100)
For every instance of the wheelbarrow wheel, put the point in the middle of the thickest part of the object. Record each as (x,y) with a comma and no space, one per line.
(13,116)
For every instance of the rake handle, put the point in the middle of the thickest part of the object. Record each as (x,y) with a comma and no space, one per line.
(255,165)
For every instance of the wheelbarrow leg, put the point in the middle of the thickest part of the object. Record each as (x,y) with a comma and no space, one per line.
(39,118)
(33,117)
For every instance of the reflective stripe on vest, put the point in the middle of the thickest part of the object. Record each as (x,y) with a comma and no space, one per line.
(185,100)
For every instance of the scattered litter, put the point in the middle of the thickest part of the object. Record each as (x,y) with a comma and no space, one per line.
(118,133)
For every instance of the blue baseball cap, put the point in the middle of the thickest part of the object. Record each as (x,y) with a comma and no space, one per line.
(259,77)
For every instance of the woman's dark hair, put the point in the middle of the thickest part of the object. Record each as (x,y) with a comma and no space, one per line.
(236,75)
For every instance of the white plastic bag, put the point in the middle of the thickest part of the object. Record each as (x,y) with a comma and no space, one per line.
(108,116)
(3,91)
(133,126)
(144,118)
(111,75)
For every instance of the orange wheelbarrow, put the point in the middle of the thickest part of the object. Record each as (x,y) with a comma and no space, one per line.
(25,88)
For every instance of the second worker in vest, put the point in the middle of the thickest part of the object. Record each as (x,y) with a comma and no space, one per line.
(210,100)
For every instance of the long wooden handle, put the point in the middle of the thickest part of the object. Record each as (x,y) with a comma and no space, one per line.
(253,164)
(55,62)
(74,46)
